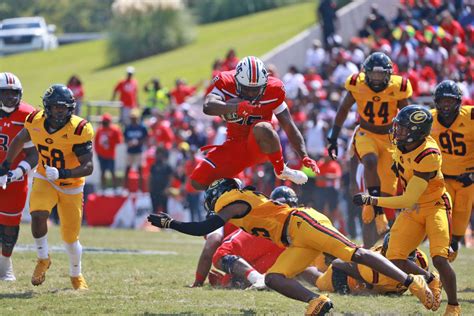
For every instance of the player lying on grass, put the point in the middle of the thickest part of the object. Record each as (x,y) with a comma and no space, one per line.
(303,231)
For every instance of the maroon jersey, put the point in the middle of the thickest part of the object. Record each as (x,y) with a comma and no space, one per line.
(272,101)
(14,196)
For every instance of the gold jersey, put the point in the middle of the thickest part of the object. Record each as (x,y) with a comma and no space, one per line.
(456,141)
(424,158)
(264,217)
(56,149)
(378,108)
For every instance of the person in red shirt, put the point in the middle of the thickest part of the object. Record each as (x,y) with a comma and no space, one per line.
(128,90)
(75,84)
(161,132)
(13,178)
(107,137)
(450,25)
(181,92)
(230,61)
(247,98)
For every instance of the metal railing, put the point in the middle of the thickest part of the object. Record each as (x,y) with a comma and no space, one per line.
(95,109)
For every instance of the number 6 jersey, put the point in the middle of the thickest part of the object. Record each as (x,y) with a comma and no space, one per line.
(57,149)
(456,141)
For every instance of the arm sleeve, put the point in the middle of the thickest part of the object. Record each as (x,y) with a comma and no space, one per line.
(198,228)
(415,188)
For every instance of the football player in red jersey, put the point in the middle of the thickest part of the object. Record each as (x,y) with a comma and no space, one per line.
(13,178)
(247,98)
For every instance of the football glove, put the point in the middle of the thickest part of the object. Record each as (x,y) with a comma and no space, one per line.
(4,168)
(51,173)
(245,108)
(368,214)
(381,223)
(310,163)
(160,220)
(3,181)
(332,148)
(15,174)
(363,199)
(466,179)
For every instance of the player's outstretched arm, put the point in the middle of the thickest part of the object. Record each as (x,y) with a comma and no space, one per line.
(341,116)
(293,133)
(213,222)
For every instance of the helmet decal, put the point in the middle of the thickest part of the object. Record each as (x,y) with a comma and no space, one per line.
(418,117)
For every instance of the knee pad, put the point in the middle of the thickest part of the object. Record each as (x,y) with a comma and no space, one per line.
(228,261)
(8,240)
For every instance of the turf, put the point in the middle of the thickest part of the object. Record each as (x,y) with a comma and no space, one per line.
(156,283)
(250,35)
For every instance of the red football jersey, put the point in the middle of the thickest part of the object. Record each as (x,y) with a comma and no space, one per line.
(14,196)
(272,101)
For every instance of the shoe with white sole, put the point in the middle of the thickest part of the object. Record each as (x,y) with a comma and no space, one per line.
(295,176)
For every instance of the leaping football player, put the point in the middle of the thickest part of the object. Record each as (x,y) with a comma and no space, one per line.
(247,98)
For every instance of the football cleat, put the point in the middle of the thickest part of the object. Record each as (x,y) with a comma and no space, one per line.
(452,310)
(39,275)
(259,285)
(295,176)
(79,283)
(320,305)
(420,289)
(6,270)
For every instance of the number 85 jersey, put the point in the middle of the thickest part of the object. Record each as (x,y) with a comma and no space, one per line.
(57,149)
(378,108)
(456,141)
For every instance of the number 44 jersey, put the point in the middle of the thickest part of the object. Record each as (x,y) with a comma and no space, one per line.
(378,108)
(57,149)
(456,141)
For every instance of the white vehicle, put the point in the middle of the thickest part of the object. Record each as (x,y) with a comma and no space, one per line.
(26,34)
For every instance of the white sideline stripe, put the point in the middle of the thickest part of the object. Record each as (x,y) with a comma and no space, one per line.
(98,250)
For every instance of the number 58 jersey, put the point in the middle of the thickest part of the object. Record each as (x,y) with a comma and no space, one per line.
(57,149)
(456,141)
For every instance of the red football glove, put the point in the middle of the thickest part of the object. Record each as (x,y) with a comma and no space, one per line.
(310,163)
(245,108)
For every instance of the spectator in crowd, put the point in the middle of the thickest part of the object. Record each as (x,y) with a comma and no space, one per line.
(136,136)
(160,179)
(193,196)
(326,14)
(75,84)
(161,131)
(379,24)
(315,55)
(345,67)
(230,61)
(158,97)
(107,137)
(294,83)
(182,91)
(128,90)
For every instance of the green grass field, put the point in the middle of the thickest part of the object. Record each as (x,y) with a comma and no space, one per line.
(156,283)
(250,35)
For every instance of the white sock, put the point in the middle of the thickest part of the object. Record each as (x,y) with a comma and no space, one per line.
(254,276)
(42,247)
(74,250)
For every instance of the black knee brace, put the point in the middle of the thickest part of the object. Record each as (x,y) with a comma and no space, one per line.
(227,262)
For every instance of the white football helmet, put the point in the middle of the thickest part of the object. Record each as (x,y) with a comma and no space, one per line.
(251,78)
(11,92)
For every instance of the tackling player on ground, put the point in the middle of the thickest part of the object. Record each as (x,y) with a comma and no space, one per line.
(303,231)
(64,143)
(453,130)
(378,95)
(13,176)
(425,203)
(247,98)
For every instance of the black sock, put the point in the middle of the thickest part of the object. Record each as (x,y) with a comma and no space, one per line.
(430,278)
(375,191)
(454,244)
(408,281)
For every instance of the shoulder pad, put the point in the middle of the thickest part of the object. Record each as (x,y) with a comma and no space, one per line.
(31,116)
(80,127)
(425,153)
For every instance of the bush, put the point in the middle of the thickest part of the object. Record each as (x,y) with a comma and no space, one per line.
(217,10)
(140,32)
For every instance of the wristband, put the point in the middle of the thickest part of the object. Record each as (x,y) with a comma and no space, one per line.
(64,173)
(24,166)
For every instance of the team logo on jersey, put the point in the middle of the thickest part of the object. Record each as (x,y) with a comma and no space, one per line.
(376,98)
(48,141)
(215,79)
(418,117)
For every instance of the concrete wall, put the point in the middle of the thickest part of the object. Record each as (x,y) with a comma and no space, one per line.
(351,19)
